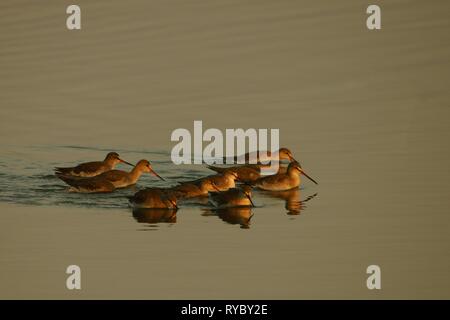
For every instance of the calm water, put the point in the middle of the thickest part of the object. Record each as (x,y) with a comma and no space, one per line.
(366,113)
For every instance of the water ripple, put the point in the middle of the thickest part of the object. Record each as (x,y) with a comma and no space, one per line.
(26,177)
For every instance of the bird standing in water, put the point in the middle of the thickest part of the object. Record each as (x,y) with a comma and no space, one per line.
(201,187)
(283,181)
(246,173)
(223,181)
(235,197)
(186,190)
(157,198)
(110,180)
(94,168)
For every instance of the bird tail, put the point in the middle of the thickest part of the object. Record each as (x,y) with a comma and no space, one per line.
(67,179)
(217,169)
(60,170)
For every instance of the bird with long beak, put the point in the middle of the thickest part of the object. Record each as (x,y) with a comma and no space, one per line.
(283,181)
(247,173)
(109,180)
(93,168)
(255,157)
(155,198)
(201,187)
(234,197)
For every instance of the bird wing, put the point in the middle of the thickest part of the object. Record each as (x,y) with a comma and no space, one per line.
(273,179)
(113,175)
(70,180)
(142,195)
(87,167)
(94,184)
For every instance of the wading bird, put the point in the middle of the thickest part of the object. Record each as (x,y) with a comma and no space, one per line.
(283,181)
(94,168)
(235,197)
(110,180)
(246,173)
(186,190)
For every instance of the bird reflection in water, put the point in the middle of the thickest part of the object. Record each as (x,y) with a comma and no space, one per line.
(235,215)
(293,203)
(146,215)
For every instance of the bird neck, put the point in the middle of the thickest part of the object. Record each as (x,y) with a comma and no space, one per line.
(204,188)
(230,179)
(109,163)
(293,172)
(135,174)
(231,182)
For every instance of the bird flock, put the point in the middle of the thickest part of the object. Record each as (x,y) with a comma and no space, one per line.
(229,187)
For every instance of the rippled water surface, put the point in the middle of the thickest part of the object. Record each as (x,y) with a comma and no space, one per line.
(31,181)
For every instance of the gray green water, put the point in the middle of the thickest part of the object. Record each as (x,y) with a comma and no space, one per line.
(31,181)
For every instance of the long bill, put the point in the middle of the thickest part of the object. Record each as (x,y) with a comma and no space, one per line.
(306,175)
(174,204)
(123,161)
(157,175)
(292,159)
(250,198)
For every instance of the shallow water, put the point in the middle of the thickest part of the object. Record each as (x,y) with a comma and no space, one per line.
(31,181)
(366,113)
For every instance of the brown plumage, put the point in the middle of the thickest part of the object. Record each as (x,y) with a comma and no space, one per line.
(283,181)
(159,198)
(201,187)
(235,197)
(94,168)
(246,173)
(89,185)
(103,182)
(193,189)
(255,157)
(223,181)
